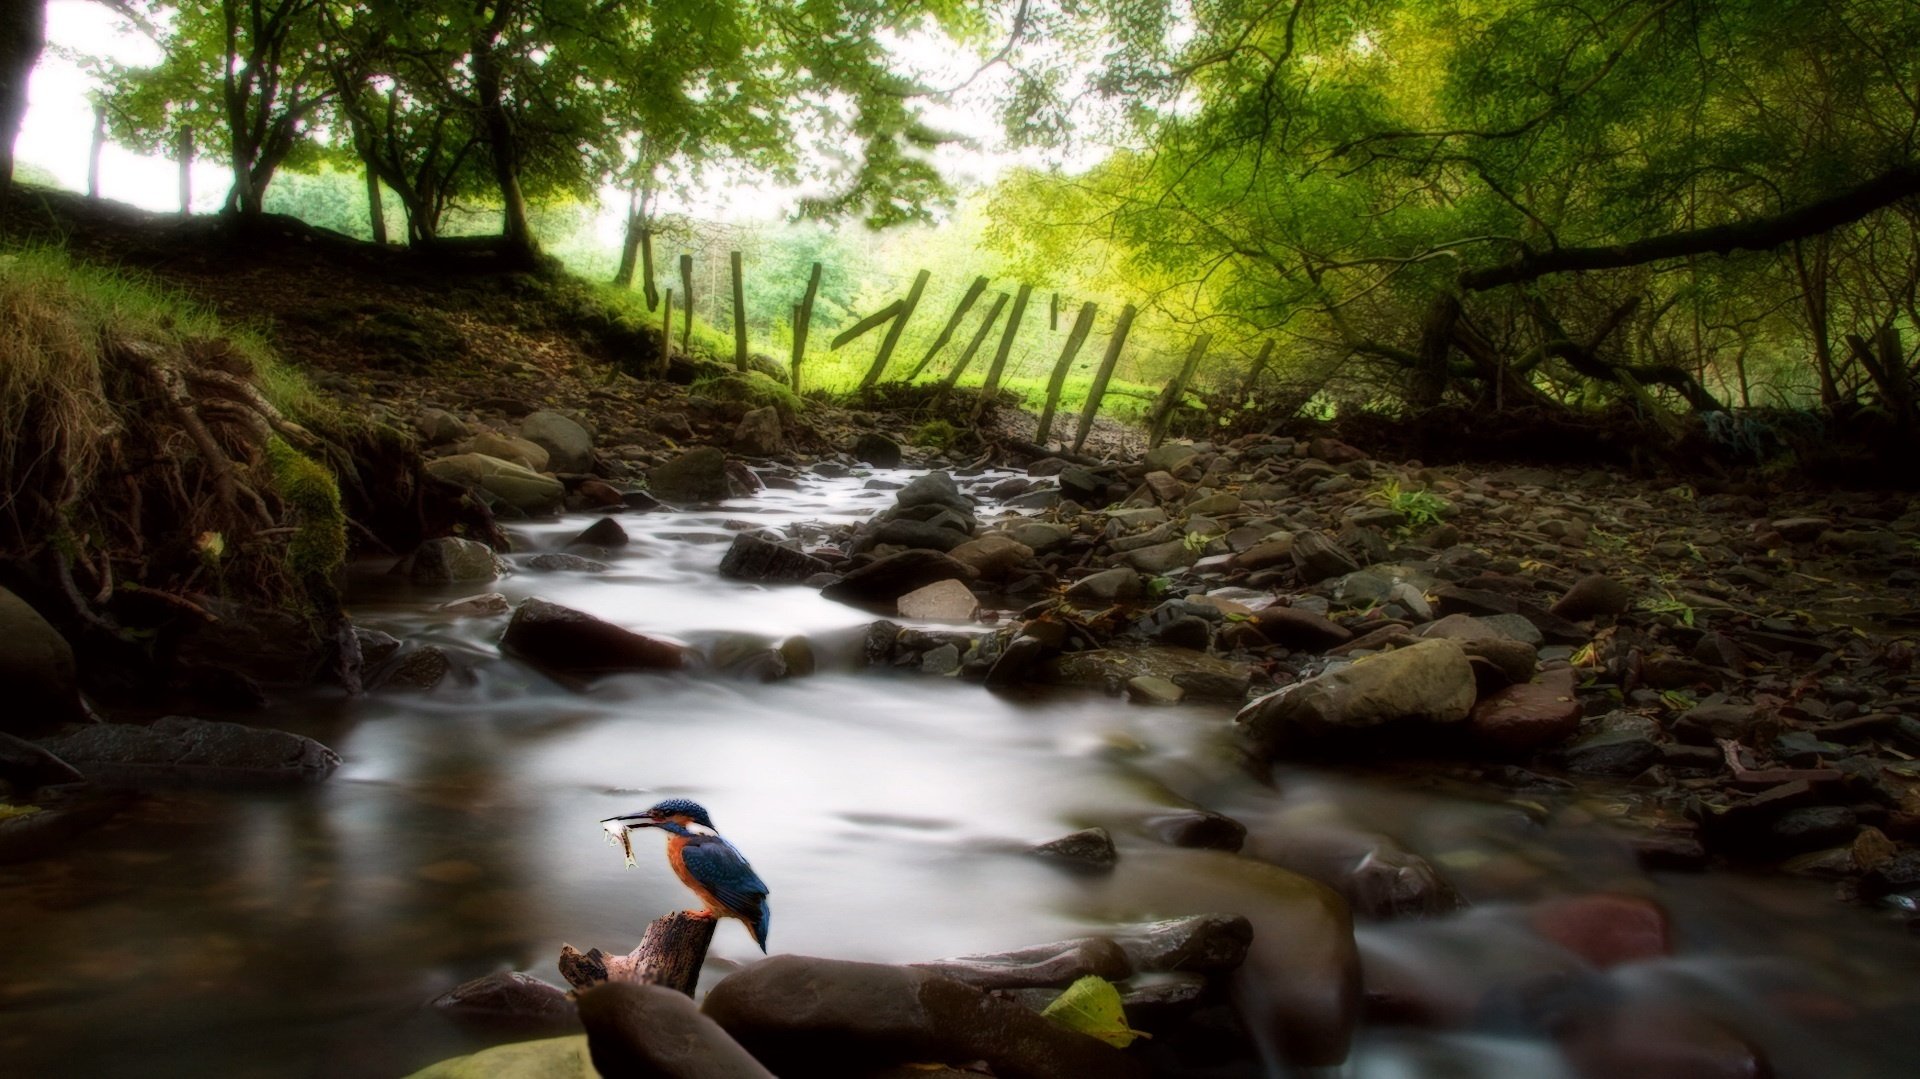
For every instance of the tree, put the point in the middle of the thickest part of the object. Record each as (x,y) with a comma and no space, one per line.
(23,31)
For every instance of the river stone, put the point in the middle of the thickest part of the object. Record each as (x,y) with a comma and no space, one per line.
(1089,847)
(877,449)
(803,1017)
(1801,529)
(484,605)
(1522,718)
(994,556)
(449,560)
(500,483)
(1116,585)
(1083,487)
(1429,684)
(698,475)
(1604,929)
(440,427)
(1041,536)
(1376,876)
(1198,828)
(941,601)
(569,447)
(1299,628)
(37,671)
(1161,557)
(879,584)
(1611,753)
(1169,456)
(1152,689)
(563,640)
(650,1030)
(183,750)
(519,451)
(758,434)
(1591,597)
(1318,558)
(1276,549)
(423,668)
(606,532)
(919,535)
(565,563)
(751,558)
(1197,673)
(1057,964)
(508,998)
(934,488)
(1201,944)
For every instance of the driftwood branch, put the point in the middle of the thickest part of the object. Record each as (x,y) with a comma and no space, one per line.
(670,954)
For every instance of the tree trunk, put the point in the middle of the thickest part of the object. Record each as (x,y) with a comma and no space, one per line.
(647,285)
(489,82)
(376,211)
(630,246)
(739,312)
(183,156)
(1813,299)
(670,954)
(93,151)
(23,31)
(1436,340)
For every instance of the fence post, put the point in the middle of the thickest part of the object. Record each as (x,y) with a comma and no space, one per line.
(953,322)
(1259,365)
(183,154)
(1103,376)
(893,331)
(646,268)
(973,346)
(1081,326)
(992,385)
(686,297)
(1177,390)
(666,335)
(93,151)
(739,313)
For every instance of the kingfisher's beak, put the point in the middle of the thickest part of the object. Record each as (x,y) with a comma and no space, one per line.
(632,820)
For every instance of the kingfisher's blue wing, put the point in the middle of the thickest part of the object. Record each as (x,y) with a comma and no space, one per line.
(723,872)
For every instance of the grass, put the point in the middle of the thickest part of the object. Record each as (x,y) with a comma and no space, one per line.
(1419,508)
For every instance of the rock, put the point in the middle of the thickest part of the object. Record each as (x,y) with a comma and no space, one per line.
(37,671)
(500,484)
(1514,660)
(1186,631)
(199,752)
(1198,828)
(1318,558)
(595,495)
(940,660)
(1116,585)
(486,604)
(758,434)
(879,584)
(1169,456)
(1522,718)
(994,556)
(877,450)
(1089,847)
(562,640)
(1160,558)
(423,668)
(569,447)
(1276,549)
(1041,536)
(933,489)
(1197,673)
(1610,753)
(941,601)
(1801,529)
(565,563)
(1300,629)
(1812,828)
(1083,487)
(649,1030)
(751,558)
(1592,596)
(508,998)
(803,1017)
(696,476)
(1200,944)
(1376,876)
(439,427)
(1659,1041)
(1604,930)
(28,767)
(919,535)
(1333,451)
(1703,725)
(1057,965)
(606,532)
(519,451)
(449,560)
(1428,684)
(1152,689)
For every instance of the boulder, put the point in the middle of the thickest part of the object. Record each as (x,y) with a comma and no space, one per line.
(569,447)
(1592,596)
(1522,718)
(877,449)
(1300,629)
(698,475)
(562,640)
(1160,558)
(565,563)
(510,999)
(1090,848)
(500,484)
(1197,673)
(1377,876)
(1318,558)
(751,558)
(1058,964)
(605,533)
(1170,456)
(919,535)
(934,488)
(1199,944)
(449,560)
(42,683)
(1153,689)
(941,601)
(1041,536)
(1425,685)
(801,1016)
(1116,585)
(650,1030)
(994,556)
(1605,930)
(439,427)
(1198,828)
(521,452)
(181,750)
(879,584)
(758,434)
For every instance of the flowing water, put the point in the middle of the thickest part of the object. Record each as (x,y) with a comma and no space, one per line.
(299,933)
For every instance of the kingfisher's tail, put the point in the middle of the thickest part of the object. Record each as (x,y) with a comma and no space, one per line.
(760,924)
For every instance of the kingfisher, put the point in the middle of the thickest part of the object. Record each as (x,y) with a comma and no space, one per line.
(703,861)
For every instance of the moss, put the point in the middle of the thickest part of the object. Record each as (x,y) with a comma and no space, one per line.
(935,434)
(318,546)
(752,388)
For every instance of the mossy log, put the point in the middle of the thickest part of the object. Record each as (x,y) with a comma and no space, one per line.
(670,954)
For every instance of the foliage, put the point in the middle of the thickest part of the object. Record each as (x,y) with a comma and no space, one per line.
(1417,508)
(1092,1006)
(547,1058)
(935,434)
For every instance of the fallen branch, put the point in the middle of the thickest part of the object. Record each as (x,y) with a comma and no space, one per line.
(671,952)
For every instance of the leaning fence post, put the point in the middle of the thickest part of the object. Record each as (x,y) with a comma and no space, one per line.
(953,322)
(739,313)
(686,297)
(1103,376)
(973,346)
(1253,374)
(802,321)
(1081,326)
(893,332)
(992,385)
(1179,388)
(666,335)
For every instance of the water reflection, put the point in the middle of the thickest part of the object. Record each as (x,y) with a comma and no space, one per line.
(242,934)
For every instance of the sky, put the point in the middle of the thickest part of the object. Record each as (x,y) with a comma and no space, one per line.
(57,131)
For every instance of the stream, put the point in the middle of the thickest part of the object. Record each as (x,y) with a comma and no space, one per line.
(230,934)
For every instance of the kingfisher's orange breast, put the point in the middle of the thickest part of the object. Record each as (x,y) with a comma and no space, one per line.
(675,844)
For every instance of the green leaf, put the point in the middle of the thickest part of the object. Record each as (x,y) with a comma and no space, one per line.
(551,1058)
(1092,1006)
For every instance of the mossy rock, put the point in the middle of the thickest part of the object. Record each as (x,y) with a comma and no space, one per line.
(935,434)
(753,389)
